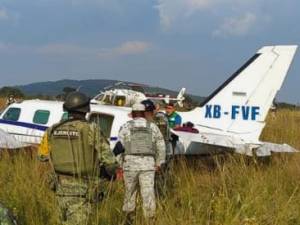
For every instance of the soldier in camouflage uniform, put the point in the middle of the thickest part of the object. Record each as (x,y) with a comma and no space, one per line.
(144,153)
(160,119)
(6,217)
(77,150)
(163,177)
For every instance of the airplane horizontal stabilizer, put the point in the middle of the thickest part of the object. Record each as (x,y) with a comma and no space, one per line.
(267,148)
(234,143)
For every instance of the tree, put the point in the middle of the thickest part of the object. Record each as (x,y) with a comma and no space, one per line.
(6,91)
(67,90)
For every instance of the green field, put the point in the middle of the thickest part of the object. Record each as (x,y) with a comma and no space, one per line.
(223,190)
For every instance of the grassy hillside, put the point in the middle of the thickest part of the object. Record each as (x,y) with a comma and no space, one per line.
(223,190)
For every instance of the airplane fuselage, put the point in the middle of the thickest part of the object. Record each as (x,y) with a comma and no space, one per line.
(22,120)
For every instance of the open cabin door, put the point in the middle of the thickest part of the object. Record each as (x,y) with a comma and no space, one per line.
(104,121)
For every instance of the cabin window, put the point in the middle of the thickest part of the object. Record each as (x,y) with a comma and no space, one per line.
(104,121)
(12,114)
(100,97)
(41,117)
(65,116)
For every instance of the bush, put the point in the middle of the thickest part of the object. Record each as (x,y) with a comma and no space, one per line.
(6,91)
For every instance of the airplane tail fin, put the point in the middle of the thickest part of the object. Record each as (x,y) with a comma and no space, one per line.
(242,103)
(180,97)
(181,93)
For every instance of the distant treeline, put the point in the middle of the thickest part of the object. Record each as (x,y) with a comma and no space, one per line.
(189,102)
(5,92)
(283,105)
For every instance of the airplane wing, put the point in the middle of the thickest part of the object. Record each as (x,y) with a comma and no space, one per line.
(232,142)
(8,141)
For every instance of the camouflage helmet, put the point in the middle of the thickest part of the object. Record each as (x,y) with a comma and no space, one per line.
(77,102)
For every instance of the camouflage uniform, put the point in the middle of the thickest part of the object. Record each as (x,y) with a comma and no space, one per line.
(6,217)
(161,120)
(163,177)
(77,149)
(140,169)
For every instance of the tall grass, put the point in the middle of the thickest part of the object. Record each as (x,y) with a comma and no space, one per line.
(223,190)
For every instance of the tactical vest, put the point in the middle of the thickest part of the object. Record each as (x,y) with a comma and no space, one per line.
(162,123)
(140,141)
(71,153)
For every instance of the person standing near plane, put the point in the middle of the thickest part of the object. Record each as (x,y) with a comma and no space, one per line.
(159,118)
(144,153)
(77,151)
(153,114)
(175,121)
(173,117)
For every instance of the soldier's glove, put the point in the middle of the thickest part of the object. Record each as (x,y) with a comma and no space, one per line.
(118,149)
(108,171)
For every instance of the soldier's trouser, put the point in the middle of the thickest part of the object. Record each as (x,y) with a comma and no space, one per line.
(74,210)
(145,179)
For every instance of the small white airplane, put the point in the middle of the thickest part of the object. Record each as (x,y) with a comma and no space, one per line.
(231,119)
(126,94)
(167,98)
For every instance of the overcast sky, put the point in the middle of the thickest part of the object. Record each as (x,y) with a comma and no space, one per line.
(195,44)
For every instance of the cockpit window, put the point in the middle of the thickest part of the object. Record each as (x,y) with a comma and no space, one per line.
(41,117)
(107,99)
(12,114)
(100,97)
(120,101)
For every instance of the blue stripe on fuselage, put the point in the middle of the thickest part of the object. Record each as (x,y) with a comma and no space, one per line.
(23,124)
(113,138)
(35,126)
